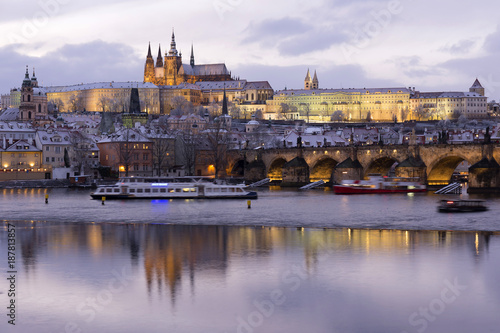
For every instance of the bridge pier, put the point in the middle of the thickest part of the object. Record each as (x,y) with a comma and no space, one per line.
(295,172)
(484,177)
(347,170)
(412,167)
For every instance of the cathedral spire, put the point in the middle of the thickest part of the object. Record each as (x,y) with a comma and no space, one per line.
(149,51)
(173,50)
(192,56)
(159,59)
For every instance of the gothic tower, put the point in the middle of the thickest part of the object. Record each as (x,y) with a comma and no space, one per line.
(173,62)
(315,82)
(308,81)
(477,88)
(159,58)
(191,62)
(149,68)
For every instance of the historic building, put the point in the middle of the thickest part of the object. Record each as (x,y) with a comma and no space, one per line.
(104,97)
(373,104)
(33,105)
(170,71)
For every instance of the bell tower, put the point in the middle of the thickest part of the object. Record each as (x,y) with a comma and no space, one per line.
(173,61)
(149,67)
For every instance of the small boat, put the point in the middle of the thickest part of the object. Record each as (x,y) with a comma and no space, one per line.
(171,188)
(462,206)
(380,184)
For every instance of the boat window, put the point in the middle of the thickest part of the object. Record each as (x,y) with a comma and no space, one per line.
(139,190)
(109,190)
(163,190)
(208,190)
(231,189)
(193,189)
(224,190)
(177,190)
(239,190)
(147,190)
(155,190)
(116,190)
(132,190)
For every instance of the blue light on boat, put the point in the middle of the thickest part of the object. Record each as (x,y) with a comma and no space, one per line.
(159,184)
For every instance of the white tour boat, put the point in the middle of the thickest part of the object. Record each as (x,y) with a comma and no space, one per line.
(380,184)
(171,188)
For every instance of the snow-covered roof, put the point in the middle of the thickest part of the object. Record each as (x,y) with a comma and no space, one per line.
(10,114)
(233,85)
(448,94)
(368,91)
(100,85)
(208,69)
(183,85)
(21,145)
(16,126)
(125,135)
(220,85)
(53,137)
(39,92)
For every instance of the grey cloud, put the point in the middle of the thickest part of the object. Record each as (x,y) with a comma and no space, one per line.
(291,36)
(316,41)
(492,42)
(459,48)
(268,30)
(72,64)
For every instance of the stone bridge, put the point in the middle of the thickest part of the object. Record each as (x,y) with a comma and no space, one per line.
(433,163)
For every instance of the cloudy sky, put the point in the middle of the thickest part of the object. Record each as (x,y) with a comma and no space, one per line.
(430,45)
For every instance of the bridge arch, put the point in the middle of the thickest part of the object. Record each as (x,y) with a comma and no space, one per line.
(381,165)
(323,169)
(275,170)
(237,169)
(441,170)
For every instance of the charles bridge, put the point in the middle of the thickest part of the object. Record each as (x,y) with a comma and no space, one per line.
(433,163)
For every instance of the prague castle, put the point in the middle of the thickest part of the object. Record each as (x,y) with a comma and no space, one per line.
(170,71)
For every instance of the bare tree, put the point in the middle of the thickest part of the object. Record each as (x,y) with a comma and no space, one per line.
(422,113)
(55,105)
(188,143)
(405,113)
(180,106)
(163,145)
(337,116)
(283,110)
(104,103)
(80,147)
(234,110)
(306,109)
(76,102)
(124,149)
(217,140)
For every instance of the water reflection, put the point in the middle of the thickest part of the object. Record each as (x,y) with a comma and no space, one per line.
(190,265)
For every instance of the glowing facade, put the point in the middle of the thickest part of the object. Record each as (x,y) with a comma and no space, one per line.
(170,71)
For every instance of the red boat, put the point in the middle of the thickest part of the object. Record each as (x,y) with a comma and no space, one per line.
(379,184)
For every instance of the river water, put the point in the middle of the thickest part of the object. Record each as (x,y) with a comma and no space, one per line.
(294,262)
